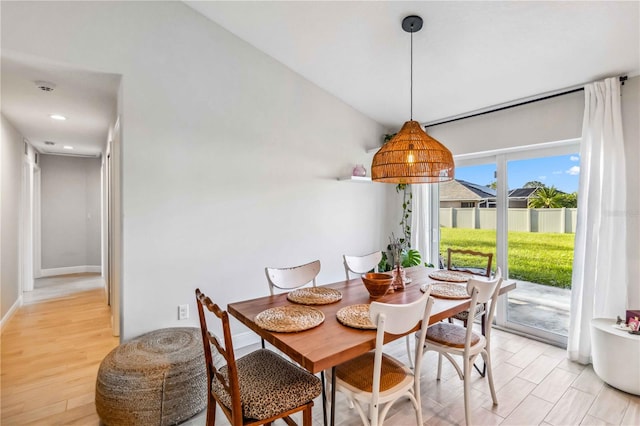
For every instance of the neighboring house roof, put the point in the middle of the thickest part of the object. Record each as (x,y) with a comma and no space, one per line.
(460,190)
(464,191)
(524,193)
(482,191)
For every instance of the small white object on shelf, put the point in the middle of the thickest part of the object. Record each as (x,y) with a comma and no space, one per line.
(365,179)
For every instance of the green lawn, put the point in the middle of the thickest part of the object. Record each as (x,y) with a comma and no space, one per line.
(542,258)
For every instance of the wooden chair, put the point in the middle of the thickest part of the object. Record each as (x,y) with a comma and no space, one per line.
(376,379)
(475,262)
(452,339)
(293,277)
(361,264)
(259,387)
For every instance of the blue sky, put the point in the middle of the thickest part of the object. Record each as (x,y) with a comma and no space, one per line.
(561,171)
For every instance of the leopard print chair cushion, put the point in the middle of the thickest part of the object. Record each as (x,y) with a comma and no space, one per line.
(464,315)
(269,385)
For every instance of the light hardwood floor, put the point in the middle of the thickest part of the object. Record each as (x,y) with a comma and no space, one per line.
(51,352)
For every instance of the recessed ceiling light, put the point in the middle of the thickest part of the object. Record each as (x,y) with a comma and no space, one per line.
(58,117)
(67,147)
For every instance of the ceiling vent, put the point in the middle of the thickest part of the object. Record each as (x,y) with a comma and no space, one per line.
(49,143)
(45,86)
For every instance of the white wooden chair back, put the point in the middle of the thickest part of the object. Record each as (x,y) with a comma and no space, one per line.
(397,319)
(361,264)
(482,291)
(293,277)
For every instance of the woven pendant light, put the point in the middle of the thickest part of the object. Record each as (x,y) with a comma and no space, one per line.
(412,156)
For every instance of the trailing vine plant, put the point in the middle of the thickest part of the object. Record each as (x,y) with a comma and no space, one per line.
(409,257)
(405,220)
(407,201)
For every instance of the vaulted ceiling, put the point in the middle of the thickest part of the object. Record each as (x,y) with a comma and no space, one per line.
(468,56)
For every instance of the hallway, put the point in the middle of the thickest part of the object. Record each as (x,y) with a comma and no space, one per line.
(51,352)
(48,288)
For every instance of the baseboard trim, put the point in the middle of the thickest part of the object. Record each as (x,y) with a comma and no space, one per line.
(12,310)
(247,338)
(70,270)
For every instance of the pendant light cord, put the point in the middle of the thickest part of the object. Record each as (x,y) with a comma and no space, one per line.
(411,84)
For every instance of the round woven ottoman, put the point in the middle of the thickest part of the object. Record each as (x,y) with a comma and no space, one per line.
(158,378)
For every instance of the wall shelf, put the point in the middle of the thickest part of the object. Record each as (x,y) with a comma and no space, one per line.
(362,179)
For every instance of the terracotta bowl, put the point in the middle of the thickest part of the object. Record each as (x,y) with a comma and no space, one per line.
(377,284)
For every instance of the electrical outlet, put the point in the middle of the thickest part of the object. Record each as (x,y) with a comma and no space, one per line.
(183,312)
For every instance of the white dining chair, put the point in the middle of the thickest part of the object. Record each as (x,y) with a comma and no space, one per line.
(292,277)
(361,264)
(374,381)
(455,340)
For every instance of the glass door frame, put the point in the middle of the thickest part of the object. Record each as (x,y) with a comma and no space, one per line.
(500,158)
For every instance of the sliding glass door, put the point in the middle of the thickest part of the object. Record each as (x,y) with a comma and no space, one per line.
(520,206)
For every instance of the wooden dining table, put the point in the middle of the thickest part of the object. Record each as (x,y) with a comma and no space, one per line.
(332,343)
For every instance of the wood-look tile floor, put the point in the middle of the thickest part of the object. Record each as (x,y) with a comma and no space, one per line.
(51,352)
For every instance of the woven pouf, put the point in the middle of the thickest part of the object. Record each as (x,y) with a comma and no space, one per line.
(158,378)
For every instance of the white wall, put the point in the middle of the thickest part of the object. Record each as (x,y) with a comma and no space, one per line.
(70,212)
(11,159)
(229,159)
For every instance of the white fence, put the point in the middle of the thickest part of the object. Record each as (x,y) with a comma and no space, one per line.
(520,220)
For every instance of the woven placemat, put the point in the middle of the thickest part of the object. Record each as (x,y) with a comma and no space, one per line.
(290,318)
(446,290)
(356,316)
(452,276)
(315,296)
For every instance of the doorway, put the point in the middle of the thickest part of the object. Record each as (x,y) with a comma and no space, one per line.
(505,213)
(58,110)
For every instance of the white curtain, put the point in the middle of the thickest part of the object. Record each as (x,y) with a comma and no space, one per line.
(425,221)
(599,284)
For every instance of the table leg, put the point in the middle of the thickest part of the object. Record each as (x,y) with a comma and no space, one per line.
(333,396)
(324,399)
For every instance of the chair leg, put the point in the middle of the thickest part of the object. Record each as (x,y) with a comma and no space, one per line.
(211,410)
(483,321)
(467,390)
(306,416)
(373,414)
(409,351)
(417,401)
(439,365)
(262,343)
(487,361)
